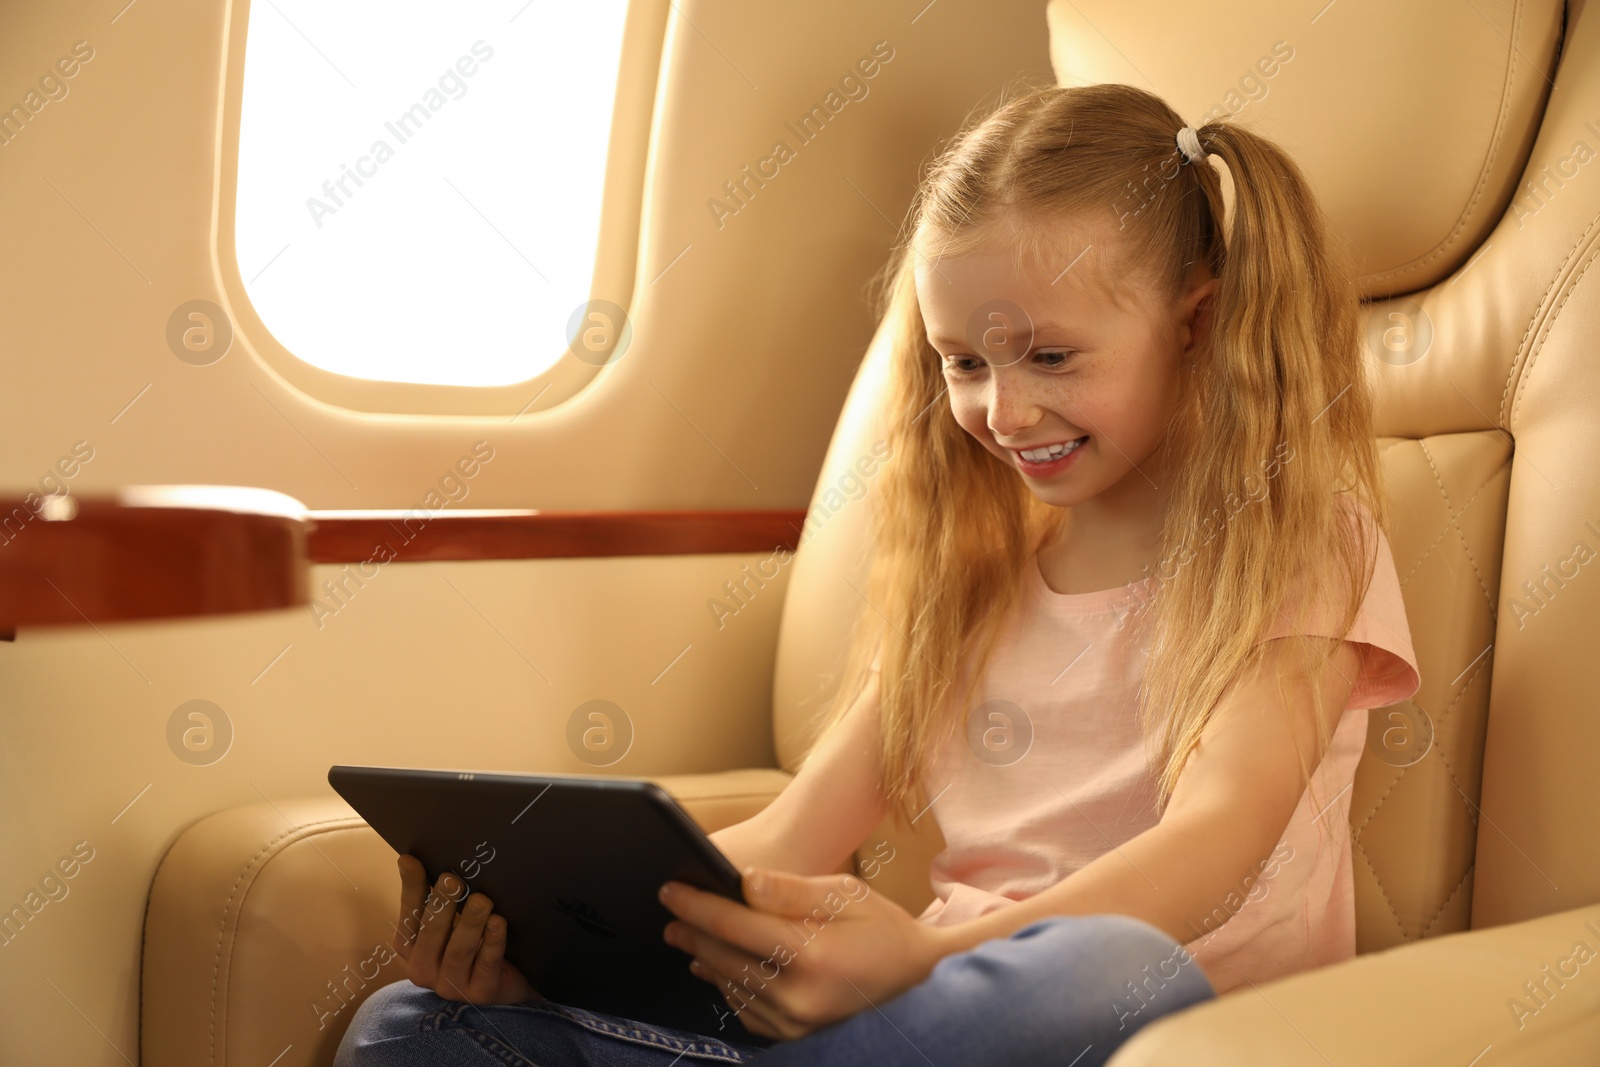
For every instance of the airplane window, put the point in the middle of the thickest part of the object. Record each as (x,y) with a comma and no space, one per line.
(420,182)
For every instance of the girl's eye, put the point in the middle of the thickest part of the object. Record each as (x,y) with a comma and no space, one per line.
(959,364)
(1059,356)
(1050,359)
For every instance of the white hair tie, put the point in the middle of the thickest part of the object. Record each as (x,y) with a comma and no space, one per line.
(1189,145)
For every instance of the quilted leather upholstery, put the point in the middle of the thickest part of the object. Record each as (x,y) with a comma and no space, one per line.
(1447,549)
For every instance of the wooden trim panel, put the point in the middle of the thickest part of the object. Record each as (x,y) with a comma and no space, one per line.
(86,560)
(357,536)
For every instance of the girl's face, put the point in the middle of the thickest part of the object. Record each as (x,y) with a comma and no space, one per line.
(1039,355)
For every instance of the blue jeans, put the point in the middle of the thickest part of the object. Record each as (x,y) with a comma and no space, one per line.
(1064,991)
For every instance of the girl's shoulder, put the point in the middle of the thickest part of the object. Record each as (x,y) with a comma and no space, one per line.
(1389,671)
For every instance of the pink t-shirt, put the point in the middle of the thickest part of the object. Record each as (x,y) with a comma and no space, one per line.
(1064,778)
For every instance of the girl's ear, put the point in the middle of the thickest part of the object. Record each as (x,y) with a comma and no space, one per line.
(1195,309)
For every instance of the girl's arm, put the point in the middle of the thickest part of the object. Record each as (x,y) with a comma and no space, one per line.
(827,810)
(1228,810)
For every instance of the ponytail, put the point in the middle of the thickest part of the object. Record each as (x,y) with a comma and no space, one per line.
(1277,419)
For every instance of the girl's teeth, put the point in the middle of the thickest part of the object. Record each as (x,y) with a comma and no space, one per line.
(1045,455)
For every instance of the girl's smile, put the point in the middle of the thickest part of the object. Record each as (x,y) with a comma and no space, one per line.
(1046,461)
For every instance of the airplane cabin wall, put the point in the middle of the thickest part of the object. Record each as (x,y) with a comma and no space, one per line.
(108,199)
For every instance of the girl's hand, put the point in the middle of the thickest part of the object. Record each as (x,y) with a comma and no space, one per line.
(807,952)
(458,957)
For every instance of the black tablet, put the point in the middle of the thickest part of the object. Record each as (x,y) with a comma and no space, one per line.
(573,862)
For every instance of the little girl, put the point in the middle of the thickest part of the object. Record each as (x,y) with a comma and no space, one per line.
(1130,599)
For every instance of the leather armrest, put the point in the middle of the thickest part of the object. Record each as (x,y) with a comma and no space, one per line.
(724,797)
(268,924)
(1445,1000)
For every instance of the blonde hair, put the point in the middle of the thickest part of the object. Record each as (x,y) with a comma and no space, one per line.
(1273,428)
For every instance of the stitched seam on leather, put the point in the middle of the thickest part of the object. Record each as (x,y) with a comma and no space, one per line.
(1429,550)
(1378,803)
(1384,893)
(1544,334)
(1356,837)
(1443,715)
(1490,155)
(1465,875)
(1462,691)
(222,932)
(1482,666)
(1538,309)
(1488,598)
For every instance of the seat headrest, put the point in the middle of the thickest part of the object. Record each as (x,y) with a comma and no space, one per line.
(1412,122)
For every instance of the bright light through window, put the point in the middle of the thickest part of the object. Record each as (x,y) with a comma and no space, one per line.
(420,183)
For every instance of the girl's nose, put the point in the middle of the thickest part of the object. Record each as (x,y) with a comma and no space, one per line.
(1012,405)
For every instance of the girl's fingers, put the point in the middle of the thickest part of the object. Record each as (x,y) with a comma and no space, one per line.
(751,985)
(758,1013)
(437,919)
(793,895)
(413,890)
(455,968)
(730,961)
(486,967)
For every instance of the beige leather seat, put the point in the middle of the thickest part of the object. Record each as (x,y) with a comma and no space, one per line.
(1442,151)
